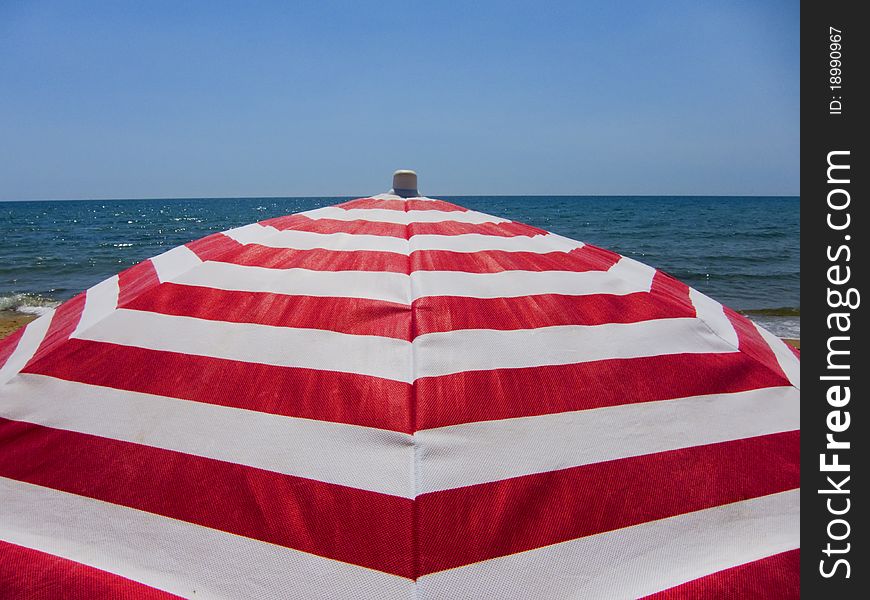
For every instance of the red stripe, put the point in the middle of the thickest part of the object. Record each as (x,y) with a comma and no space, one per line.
(214,246)
(506,229)
(293,392)
(27,574)
(751,342)
(586,258)
(412,204)
(431,314)
(9,344)
(398,230)
(222,248)
(450,313)
(402,205)
(357,316)
(381,403)
(136,280)
(776,577)
(343,523)
(219,247)
(465,525)
(327,226)
(318,259)
(63,323)
(486,261)
(671,290)
(510,393)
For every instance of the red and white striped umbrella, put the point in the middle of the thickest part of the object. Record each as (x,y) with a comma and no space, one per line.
(396,397)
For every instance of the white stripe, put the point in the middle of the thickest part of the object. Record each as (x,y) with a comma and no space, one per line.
(179,557)
(374,285)
(306,240)
(28,344)
(100,301)
(282,346)
(625,277)
(388,196)
(434,354)
(443,353)
(468,242)
(788,362)
(522,446)
(173,263)
(476,242)
(380,215)
(713,314)
(349,455)
(634,561)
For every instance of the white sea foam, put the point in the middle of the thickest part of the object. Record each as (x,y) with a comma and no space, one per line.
(784,327)
(30,304)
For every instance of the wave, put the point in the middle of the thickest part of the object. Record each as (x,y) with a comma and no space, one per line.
(784,311)
(31,304)
(784,327)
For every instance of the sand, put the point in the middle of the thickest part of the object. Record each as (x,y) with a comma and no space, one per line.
(11,320)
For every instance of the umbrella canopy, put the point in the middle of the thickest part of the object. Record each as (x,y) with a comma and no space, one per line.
(396,397)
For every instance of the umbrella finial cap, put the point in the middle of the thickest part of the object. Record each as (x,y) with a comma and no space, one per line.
(405,183)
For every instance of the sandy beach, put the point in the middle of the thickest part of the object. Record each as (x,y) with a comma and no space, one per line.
(11,320)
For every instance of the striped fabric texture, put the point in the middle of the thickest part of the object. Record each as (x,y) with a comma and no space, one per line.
(397,398)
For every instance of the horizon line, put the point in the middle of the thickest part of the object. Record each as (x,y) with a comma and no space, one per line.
(341,196)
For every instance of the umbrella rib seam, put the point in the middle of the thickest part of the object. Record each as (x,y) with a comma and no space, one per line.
(416,458)
(737,348)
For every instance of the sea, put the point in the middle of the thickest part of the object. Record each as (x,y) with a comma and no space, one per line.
(742,251)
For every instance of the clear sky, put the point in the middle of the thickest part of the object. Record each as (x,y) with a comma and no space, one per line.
(138,99)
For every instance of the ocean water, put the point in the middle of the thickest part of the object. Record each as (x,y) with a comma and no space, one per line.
(742,251)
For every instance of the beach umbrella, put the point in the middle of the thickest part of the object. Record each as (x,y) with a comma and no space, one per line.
(396,397)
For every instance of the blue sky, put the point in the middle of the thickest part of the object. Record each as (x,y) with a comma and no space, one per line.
(198,99)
